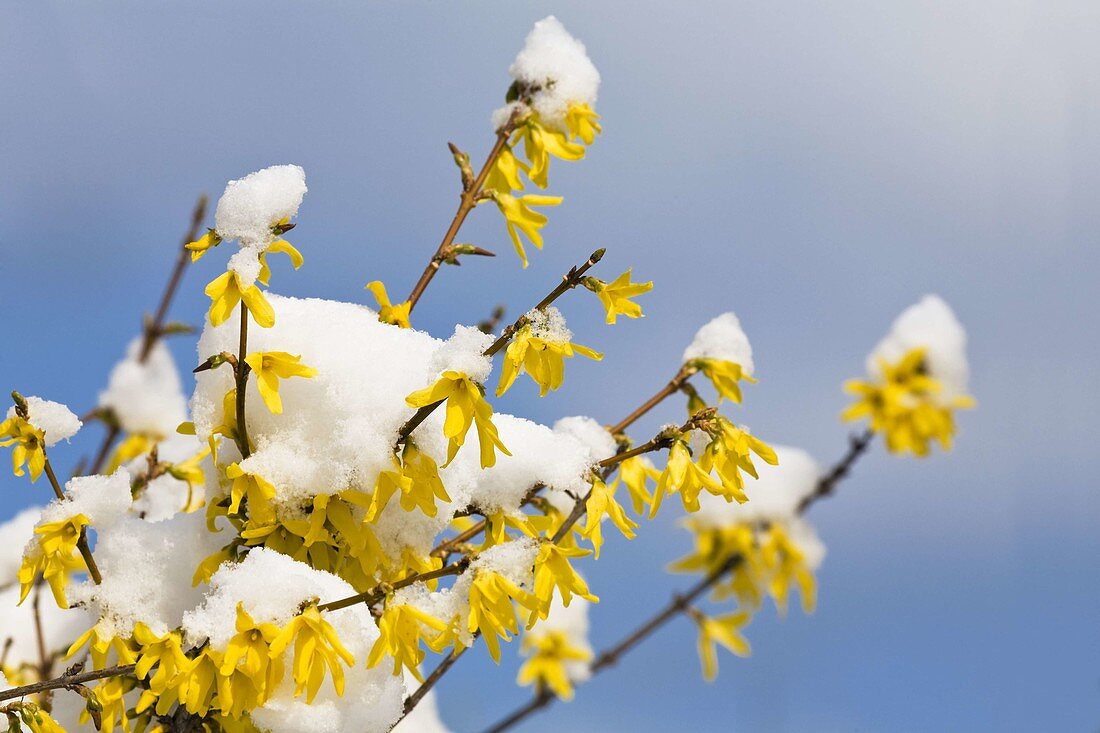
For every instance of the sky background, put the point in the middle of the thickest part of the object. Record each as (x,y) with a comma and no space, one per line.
(815,167)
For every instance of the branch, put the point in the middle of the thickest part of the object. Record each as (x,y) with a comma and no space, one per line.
(240,377)
(65,680)
(569,281)
(153,329)
(669,389)
(826,485)
(471,190)
(375,595)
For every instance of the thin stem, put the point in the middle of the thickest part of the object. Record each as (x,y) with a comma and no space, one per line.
(240,372)
(826,486)
(65,680)
(412,700)
(467,201)
(154,328)
(569,281)
(375,595)
(669,389)
(45,663)
(82,543)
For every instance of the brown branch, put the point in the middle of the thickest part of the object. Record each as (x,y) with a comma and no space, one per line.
(569,281)
(681,602)
(471,191)
(153,329)
(240,375)
(65,680)
(375,595)
(669,389)
(414,699)
(82,542)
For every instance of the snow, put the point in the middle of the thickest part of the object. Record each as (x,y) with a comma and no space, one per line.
(929,324)
(548,324)
(558,65)
(14,534)
(251,205)
(104,500)
(146,397)
(56,421)
(463,352)
(722,339)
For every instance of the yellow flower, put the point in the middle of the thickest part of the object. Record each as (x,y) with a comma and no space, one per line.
(101,642)
(279,246)
(539,143)
(635,472)
(552,570)
(549,652)
(30,446)
(787,566)
(729,453)
(53,554)
(225,292)
(520,217)
(270,367)
(110,693)
(601,502)
(466,405)
(714,546)
(135,444)
(682,475)
(615,295)
(198,682)
(397,315)
(257,490)
(724,375)
(582,122)
(204,243)
(401,629)
(491,609)
(416,476)
(722,630)
(316,646)
(35,718)
(504,176)
(164,654)
(249,672)
(907,405)
(543,360)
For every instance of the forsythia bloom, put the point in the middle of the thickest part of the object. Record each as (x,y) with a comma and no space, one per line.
(397,315)
(416,476)
(539,143)
(279,246)
(53,554)
(729,453)
(101,642)
(203,244)
(257,490)
(136,444)
(504,176)
(164,654)
(906,406)
(401,628)
(635,472)
(520,217)
(543,359)
(270,367)
(35,718)
(491,609)
(113,706)
(316,646)
(615,295)
(724,375)
(720,630)
(249,671)
(601,502)
(684,476)
(29,444)
(583,122)
(787,565)
(549,652)
(225,292)
(552,570)
(466,405)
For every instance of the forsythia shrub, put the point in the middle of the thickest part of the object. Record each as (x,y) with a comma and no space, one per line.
(338,500)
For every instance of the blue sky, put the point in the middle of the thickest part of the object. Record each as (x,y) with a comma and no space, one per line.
(813,166)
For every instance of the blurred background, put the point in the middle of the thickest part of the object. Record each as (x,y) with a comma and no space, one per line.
(815,167)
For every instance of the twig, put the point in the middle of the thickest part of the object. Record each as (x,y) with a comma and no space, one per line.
(669,389)
(65,680)
(471,191)
(569,281)
(825,487)
(82,542)
(240,375)
(375,595)
(153,329)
